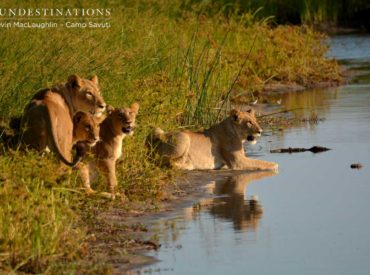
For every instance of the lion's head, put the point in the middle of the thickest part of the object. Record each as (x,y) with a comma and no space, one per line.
(246,125)
(123,119)
(85,128)
(85,95)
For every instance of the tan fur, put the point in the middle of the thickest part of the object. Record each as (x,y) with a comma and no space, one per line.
(118,124)
(85,129)
(47,120)
(219,146)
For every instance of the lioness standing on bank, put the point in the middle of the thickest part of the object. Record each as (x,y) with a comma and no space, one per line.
(47,121)
(219,146)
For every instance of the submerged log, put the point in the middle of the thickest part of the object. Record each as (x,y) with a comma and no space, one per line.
(314,149)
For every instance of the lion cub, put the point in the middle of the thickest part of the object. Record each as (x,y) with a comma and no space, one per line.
(119,123)
(85,129)
(219,146)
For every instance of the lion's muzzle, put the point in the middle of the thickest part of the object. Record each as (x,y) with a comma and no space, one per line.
(127,129)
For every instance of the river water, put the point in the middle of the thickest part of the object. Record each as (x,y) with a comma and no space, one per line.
(311,218)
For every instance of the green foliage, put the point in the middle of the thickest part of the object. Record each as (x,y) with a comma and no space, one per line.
(37,224)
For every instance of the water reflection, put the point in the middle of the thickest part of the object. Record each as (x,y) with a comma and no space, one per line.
(300,103)
(232,202)
(304,102)
(312,106)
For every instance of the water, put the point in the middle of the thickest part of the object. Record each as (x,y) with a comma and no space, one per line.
(311,218)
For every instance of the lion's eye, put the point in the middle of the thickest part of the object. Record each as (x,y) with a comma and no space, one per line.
(89,95)
(88,128)
(249,124)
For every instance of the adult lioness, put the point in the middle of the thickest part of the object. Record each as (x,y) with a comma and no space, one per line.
(47,121)
(220,145)
(118,124)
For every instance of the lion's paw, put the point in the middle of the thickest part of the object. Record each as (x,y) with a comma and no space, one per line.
(90,191)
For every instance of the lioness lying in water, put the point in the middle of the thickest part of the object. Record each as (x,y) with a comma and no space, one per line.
(219,146)
(116,126)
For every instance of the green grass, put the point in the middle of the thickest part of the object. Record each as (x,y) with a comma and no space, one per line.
(184,69)
(37,222)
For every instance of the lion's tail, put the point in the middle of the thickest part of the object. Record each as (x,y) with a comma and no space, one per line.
(154,138)
(157,133)
(80,149)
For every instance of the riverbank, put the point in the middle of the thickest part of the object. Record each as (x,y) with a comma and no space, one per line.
(186,78)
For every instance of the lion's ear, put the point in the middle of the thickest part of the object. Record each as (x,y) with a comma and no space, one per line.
(234,114)
(251,111)
(135,107)
(100,119)
(109,109)
(74,81)
(94,79)
(77,117)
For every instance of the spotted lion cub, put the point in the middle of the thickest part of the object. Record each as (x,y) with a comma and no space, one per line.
(119,123)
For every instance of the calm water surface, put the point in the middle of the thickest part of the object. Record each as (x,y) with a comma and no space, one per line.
(311,218)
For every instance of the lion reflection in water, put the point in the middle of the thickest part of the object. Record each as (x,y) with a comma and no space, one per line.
(232,203)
